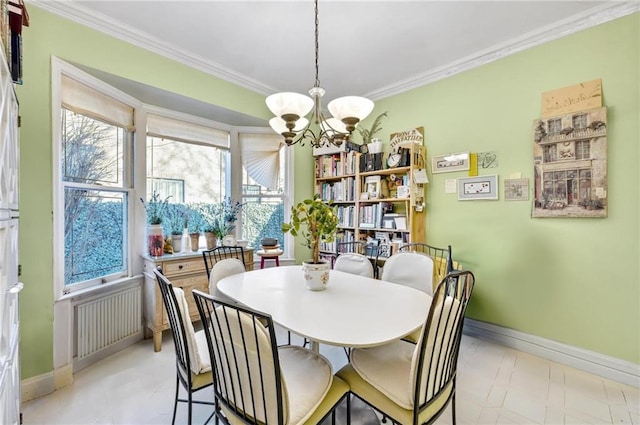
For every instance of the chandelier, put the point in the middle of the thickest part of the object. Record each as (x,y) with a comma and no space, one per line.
(291,108)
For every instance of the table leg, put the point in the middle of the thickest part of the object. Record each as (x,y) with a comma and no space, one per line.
(315,346)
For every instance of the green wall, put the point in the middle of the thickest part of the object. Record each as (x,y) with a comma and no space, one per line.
(50,35)
(571,280)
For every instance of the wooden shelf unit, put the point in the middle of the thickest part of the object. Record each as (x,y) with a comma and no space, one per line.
(338,178)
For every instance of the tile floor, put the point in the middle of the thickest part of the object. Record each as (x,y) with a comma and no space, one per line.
(496,385)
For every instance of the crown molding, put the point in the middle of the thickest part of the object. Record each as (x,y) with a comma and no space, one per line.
(74,11)
(605,12)
(590,18)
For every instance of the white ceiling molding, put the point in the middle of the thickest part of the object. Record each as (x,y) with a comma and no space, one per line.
(607,12)
(77,13)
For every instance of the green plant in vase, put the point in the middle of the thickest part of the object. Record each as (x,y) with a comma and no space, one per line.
(176,223)
(194,226)
(372,145)
(155,208)
(209,213)
(315,221)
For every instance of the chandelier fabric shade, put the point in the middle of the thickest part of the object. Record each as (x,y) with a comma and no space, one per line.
(290,110)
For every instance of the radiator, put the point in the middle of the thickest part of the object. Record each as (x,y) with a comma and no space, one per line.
(103,322)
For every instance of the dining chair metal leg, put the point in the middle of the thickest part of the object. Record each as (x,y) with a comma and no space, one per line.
(349,409)
(190,408)
(453,409)
(175,401)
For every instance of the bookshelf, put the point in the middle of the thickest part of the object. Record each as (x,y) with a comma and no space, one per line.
(380,203)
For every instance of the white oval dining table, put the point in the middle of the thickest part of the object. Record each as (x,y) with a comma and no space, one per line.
(353,311)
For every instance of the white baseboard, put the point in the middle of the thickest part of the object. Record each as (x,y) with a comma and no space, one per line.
(41,385)
(589,361)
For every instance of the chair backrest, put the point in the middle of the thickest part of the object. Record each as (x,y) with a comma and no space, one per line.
(222,269)
(244,353)
(435,359)
(442,259)
(410,269)
(220,253)
(355,264)
(348,247)
(187,355)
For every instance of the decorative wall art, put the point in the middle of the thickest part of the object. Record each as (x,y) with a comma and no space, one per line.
(476,188)
(516,189)
(487,160)
(570,165)
(450,162)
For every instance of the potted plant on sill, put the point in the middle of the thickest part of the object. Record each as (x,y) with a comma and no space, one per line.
(320,224)
(229,211)
(194,226)
(209,213)
(155,208)
(177,221)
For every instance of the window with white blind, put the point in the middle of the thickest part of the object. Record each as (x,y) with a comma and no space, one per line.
(95,184)
(187,163)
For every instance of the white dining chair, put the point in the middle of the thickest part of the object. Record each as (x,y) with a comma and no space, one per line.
(222,269)
(355,264)
(257,382)
(410,269)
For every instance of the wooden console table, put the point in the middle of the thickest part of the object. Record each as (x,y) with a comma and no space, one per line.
(184,270)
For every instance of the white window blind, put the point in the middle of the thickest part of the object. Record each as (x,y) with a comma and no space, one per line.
(183,131)
(261,158)
(82,99)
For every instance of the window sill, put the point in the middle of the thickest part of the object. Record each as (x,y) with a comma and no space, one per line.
(99,290)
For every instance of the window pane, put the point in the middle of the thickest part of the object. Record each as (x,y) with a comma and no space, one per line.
(95,232)
(263,212)
(555,126)
(582,149)
(92,151)
(580,121)
(262,218)
(187,172)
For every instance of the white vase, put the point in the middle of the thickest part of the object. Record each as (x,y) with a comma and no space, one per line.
(316,275)
(176,242)
(375,146)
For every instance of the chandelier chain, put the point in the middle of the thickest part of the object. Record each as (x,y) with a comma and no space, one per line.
(317,22)
(290,109)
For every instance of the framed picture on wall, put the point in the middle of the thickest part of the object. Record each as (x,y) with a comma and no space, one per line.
(478,188)
(450,162)
(516,189)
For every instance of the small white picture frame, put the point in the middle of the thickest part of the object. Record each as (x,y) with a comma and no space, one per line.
(372,186)
(450,162)
(478,188)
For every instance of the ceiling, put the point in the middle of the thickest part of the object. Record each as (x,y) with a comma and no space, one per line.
(366,48)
